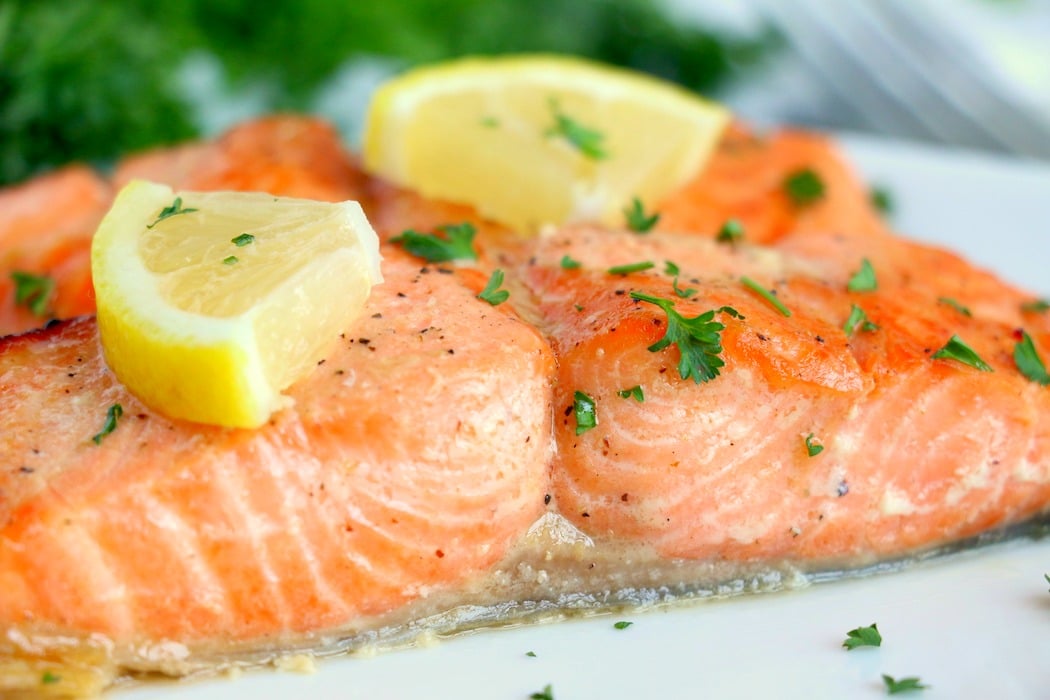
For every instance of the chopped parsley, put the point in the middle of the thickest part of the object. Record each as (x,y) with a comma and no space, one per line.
(671,269)
(174,209)
(948,301)
(531,654)
(863,280)
(858,318)
(587,141)
(731,232)
(894,686)
(765,294)
(698,339)
(112,416)
(568,263)
(49,678)
(584,410)
(882,199)
(33,291)
(635,391)
(804,187)
(1047,577)
(230,260)
(1027,359)
(956,349)
(492,292)
(1035,307)
(863,637)
(629,268)
(242,240)
(813,446)
(623,624)
(637,220)
(490,122)
(448,242)
(546,694)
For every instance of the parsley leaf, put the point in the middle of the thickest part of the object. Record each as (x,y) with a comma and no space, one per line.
(623,624)
(637,220)
(956,349)
(449,242)
(765,294)
(882,199)
(531,654)
(242,240)
(568,263)
(587,141)
(586,414)
(948,301)
(33,291)
(492,292)
(858,317)
(804,187)
(698,339)
(230,260)
(1047,577)
(546,694)
(635,391)
(49,678)
(732,231)
(671,269)
(112,415)
(894,686)
(863,637)
(1027,359)
(813,446)
(863,280)
(1035,307)
(174,209)
(631,267)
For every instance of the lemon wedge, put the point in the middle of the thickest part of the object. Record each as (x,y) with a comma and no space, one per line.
(537,139)
(212,303)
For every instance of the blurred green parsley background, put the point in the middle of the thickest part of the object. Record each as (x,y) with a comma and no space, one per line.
(91,79)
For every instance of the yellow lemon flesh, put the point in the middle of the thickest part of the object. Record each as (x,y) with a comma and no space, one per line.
(212,303)
(537,139)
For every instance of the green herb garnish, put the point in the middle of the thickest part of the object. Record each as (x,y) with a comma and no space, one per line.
(1047,577)
(174,209)
(449,242)
(858,318)
(568,263)
(623,624)
(635,391)
(112,416)
(882,200)
(671,269)
(804,187)
(629,268)
(765,294)
(863,637)
(546,694)
(531,654)
(956,349)
(732,231)
(948,301)
(49,678)
(584,409)
(698,339)
(894,686)
(242,240)
(813,446)
(230,260)
(587,141)
(1027,359)
(33,291)
(490,122)
(492,292)
(863,280)
(1035,307)
(637,220)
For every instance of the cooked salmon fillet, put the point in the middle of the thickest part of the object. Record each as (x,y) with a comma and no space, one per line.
(434,472)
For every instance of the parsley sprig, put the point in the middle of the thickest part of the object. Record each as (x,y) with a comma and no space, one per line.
(804,187)
(858,320)
(631,268)
(112,416)
(636,392)
(731,232)
(894,685)
(671,269)
(492,292)
(33,291)
(863,637)
(448,242)
(174,209)
(699,339)
(766,294)
(637,219)
(585,140)
(956,349)
(585,411)
(863,280)
(1027,359)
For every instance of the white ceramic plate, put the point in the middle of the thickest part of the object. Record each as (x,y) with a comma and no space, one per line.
(975,625)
